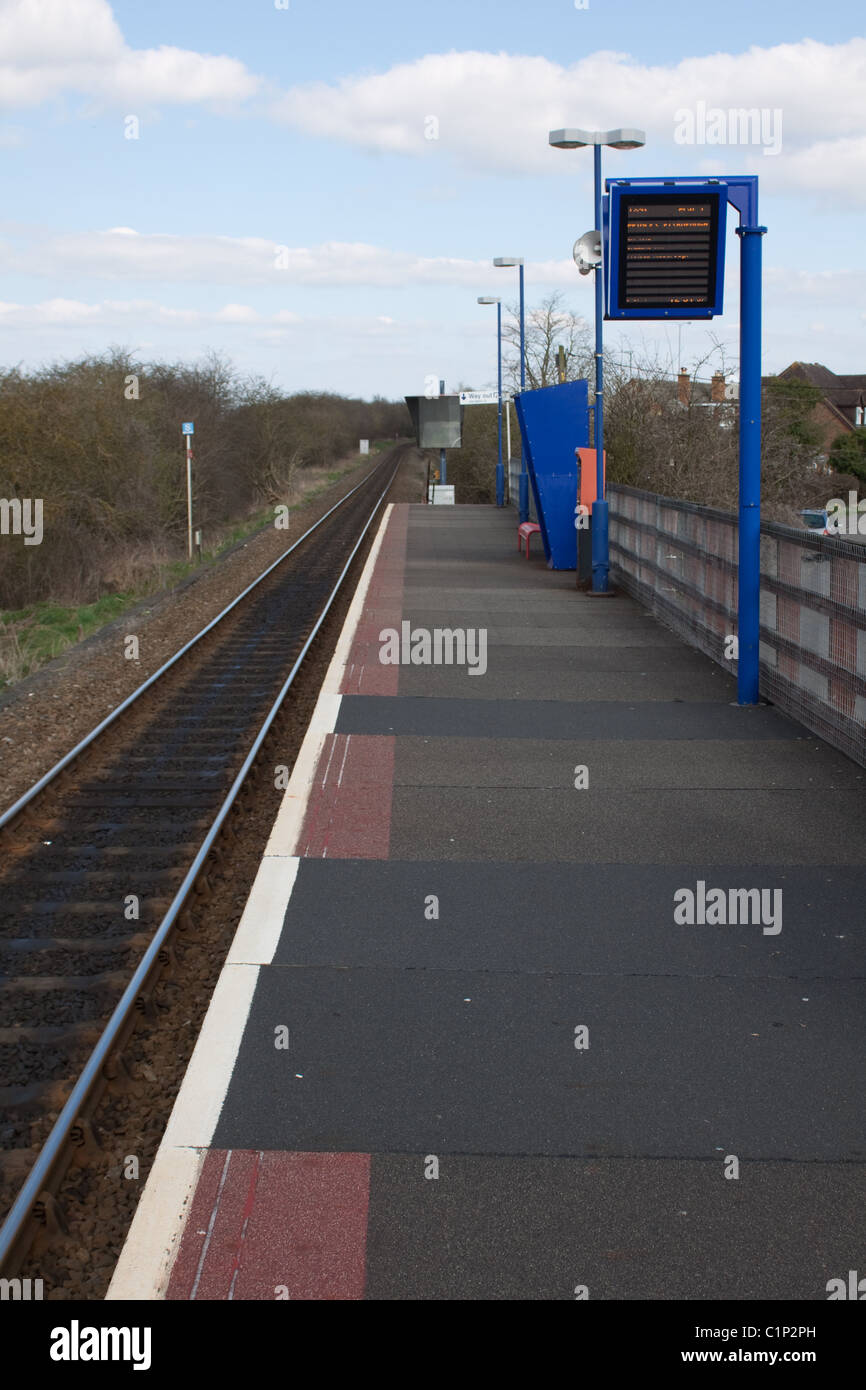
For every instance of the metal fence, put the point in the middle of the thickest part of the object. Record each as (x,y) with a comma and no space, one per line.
(680,560)
(512,473)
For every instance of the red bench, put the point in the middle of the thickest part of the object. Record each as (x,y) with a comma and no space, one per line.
(525,531)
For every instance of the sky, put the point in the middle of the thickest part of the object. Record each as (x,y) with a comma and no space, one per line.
(317,188)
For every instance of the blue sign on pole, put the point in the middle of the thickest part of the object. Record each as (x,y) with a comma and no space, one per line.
(664,258)
(188,428)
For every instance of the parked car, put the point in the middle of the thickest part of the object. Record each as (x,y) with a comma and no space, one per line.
(817,519)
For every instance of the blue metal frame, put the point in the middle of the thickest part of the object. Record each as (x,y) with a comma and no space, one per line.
(749,550)
(598,520)
(500,470)
(523,481)
(742,193)
(616,188)
(443,466)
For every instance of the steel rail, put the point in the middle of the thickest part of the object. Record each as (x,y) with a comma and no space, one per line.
(109,719)
(21,1209)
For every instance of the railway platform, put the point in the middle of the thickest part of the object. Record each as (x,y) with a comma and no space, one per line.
(550,985)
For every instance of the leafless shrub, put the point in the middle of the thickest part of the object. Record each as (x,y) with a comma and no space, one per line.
(99,441)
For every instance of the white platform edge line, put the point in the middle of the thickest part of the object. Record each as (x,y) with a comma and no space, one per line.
(153,1240)
(340,659)
(259,929)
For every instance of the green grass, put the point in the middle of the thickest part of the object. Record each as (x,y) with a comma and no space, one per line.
(31,636)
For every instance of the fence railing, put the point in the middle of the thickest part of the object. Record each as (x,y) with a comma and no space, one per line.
(513,476)
(680,560)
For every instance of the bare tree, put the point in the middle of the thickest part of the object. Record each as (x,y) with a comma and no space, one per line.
(673,438)
(548,327)
(99,441)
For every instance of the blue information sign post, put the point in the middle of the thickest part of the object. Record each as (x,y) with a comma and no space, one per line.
(664,257)
(187,429)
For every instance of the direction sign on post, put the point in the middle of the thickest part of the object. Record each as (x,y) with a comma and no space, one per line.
(482,397)
(666,249)
(188,428)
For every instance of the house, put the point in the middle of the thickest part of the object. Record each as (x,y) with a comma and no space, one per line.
(842,408)
(686,391)
(716,391)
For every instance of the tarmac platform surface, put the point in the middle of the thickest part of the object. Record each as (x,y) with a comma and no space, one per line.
(465,1046)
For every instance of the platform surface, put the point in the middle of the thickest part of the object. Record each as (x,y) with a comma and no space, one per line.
(466,1047)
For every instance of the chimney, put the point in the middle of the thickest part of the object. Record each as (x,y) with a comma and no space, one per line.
(684,387)
(717,388)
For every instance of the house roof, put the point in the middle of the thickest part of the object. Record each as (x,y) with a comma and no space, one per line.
(848,390)
(842,394)
(820,375)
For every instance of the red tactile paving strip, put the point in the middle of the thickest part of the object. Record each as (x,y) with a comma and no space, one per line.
(268,1226)
(349,813)
(271,1225)
(365,674)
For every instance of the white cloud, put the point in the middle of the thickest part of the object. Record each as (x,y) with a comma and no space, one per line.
(52,47)
(53,311)
(839,288)
(133,313)
(121,253)
(360,353)
(835,167)
(238,313)
(494,110)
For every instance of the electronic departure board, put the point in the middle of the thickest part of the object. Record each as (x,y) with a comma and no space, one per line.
(666,251)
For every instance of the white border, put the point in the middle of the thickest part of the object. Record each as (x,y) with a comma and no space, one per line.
(144,1267)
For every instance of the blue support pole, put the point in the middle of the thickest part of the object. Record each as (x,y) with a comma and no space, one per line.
(749,560)
(599,526)
(500,471)
(524,476)
(442,477)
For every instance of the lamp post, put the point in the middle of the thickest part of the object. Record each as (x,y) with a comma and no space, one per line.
(442,462)
(523,495)
(575,139)
(500,471)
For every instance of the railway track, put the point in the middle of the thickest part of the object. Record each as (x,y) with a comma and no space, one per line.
(104,859)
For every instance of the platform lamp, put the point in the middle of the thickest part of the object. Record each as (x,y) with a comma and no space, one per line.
(575,139)
(500,471)
(523,485)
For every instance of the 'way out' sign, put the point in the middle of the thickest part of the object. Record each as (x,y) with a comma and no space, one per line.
(481,397)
